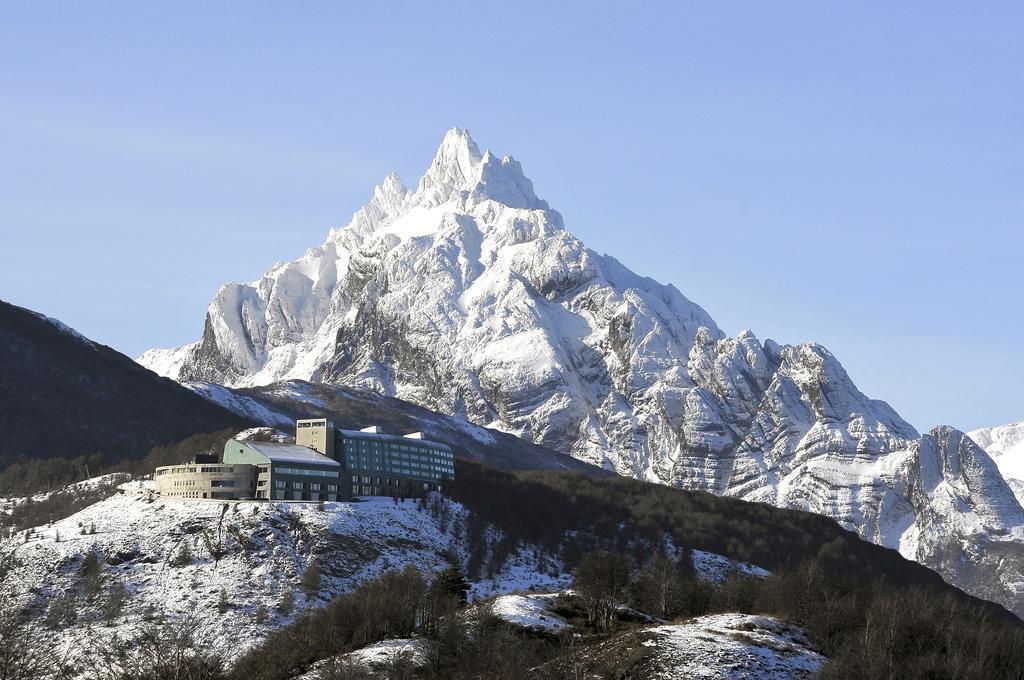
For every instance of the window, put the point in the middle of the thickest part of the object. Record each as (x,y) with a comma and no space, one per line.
(296,485)
(332,487)
(279,484)
(314,487)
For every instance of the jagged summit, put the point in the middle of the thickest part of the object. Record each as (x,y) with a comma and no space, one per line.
(455,165)
(458,180)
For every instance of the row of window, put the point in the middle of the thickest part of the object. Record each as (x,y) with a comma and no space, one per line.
(305,473)
(176,471)
(298,496)
(369,490)
(312,486)
(362,446)
(183,494)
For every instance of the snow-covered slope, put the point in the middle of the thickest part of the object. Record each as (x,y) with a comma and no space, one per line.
(1005,445)
(726,646)
(264,550)
(729,646)
(468,296)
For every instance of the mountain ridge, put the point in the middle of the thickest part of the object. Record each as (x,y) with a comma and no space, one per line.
(65,395)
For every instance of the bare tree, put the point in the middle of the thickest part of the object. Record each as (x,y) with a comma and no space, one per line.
(171,651)
(601,580)
(20,657)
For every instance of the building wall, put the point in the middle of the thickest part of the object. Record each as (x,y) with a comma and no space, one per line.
(294,482)
(390,465)
(289,481)
(206,480)
(317,434)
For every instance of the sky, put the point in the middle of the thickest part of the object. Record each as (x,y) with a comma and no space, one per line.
(850,174)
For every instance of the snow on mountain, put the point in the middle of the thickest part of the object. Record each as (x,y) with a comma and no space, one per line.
(67,330)
(263,551)
(237,403)
(715,568)
(467,295)
(1005,445)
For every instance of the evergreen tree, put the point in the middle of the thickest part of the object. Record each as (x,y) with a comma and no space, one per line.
(223,604)
(116,596)
(452,582)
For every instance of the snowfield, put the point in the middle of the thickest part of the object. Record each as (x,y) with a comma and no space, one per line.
(229,568)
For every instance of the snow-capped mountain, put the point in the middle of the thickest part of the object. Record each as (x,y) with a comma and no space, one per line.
(1005,444)
(468,296)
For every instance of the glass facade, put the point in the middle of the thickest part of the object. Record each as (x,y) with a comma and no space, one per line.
(390,465)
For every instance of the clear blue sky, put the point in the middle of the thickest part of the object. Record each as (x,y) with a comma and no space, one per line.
(851,175)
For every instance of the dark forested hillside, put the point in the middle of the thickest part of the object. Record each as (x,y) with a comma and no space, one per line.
(632,517)
(63,395)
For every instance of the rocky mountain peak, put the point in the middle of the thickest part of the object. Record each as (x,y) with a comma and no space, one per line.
(456,167)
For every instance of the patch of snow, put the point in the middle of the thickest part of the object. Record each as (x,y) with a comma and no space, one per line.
(64,328)
(265,434)
(374,657)
(732,646)
(238,403)
(715,568)
(383,652)
(529,611)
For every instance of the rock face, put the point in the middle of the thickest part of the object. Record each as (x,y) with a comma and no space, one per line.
(468,296)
